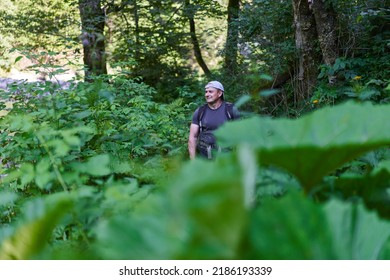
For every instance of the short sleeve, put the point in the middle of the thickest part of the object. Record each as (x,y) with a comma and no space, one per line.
(195,117)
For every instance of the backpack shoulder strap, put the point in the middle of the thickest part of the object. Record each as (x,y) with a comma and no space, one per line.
(201,111)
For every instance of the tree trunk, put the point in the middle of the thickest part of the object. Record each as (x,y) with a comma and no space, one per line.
(231,47)
(194,39)
(92,25)
(325,18)
(305,36)
(136,31)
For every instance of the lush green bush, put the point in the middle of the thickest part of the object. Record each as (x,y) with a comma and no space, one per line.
(57,139)
(311,188)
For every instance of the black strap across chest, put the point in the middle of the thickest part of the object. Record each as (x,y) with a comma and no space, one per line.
(228,111)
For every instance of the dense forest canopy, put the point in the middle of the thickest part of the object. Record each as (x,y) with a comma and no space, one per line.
(303,47)
(93,156)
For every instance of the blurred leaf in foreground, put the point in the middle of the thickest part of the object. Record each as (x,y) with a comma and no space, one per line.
(357,233)
(316,144)
(31,236)
(291,227)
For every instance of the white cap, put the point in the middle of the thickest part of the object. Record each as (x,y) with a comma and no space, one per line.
(215,84)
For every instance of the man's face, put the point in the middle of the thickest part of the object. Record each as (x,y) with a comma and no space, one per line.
(212,95)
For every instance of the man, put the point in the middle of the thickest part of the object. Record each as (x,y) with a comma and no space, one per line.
(207,119)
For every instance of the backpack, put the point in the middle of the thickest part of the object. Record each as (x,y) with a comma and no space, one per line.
(228,111)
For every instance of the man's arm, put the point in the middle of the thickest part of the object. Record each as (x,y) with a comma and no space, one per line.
(194,132)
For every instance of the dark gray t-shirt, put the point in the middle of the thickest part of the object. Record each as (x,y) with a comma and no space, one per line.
(212,119)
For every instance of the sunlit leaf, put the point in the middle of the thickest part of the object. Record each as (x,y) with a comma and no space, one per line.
(43,173)
(21,122)
(82,115)
(243,100)
(269,92)
(249,169)
(266,77)
(32,236)
(27,174)
(18,58)
(7,198)
(95,166)
(61,148)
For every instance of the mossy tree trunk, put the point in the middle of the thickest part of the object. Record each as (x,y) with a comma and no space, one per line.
(305,38)
(92,35)
(325,17)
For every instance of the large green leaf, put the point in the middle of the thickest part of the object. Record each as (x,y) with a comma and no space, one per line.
(96,166)
(31,237)
(357,233)
(208,199)
(199,214)
(137,228)
(292,227)
(316,144)
(140,236)
(372,188)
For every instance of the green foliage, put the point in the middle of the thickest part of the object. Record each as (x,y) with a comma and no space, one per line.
(48,26)
(357,83)
(57,139)
(151,42)
(43,24)
(154,37)
(204,209)
(96,170)
(348,223)
(31,237)
(266,38)
(315,144)
(297,227)
(362,70)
